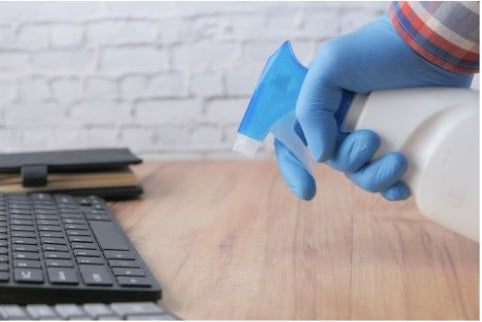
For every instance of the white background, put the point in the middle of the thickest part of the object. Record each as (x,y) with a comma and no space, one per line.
(168,80)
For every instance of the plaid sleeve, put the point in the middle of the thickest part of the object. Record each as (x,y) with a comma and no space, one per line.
(445,33)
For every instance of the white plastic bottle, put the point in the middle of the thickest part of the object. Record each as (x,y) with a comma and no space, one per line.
(437,129)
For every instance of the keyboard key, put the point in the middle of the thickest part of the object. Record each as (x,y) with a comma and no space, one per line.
(76,227)
(19,211)
(45,210)
(96,200)
(19,204)
(4,267)
(27,256)
(44,205)
(68,209)
(51,234)
(70,311)
(57,255)
(4,277)
(78,233)
(123,263)
(90,260)
(95,275)
(21,217)
(21,222)
(62,276)
(124,309)
(3,259)
(86,252)
(47,216)
(24,241)
(83,245)
(24,234)
(115,254)
(63,207)
(41,196)
(28,275)
(99,207)
(25,248)
(18,201)
(55,248)
(41,312)
(98,217)
(108,236)
(13,312)
(133,281)
(49,228)
(71,215)
(4,250)
(26,264)
(120,271)
(65,199)
(3,243)
(81,239)
(85,201)
(74,221)
(21,228)
(97,212)
(96,310)
(55,241)
(48,222)
(16,207)
(59,263)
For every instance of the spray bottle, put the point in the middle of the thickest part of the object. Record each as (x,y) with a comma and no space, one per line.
(436,128)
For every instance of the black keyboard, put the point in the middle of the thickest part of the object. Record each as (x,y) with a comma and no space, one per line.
(91,311)
(64,249)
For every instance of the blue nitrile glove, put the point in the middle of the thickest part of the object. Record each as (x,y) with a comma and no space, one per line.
(373,57)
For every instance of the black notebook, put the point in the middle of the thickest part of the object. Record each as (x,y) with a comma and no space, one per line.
(104,172)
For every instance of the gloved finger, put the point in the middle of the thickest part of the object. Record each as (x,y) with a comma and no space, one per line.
(317,103)
(356,149)
(399,191)
(298,179)
(380,174)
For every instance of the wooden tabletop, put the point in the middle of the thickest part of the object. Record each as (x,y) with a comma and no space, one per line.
(227,240)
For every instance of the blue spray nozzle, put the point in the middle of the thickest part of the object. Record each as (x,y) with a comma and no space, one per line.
(272,107)
(275,95)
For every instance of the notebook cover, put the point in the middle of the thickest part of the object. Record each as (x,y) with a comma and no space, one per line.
(68,160)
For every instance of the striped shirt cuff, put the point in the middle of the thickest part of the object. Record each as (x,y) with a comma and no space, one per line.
(444,33)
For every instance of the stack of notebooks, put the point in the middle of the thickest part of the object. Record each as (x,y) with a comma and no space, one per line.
(103,172)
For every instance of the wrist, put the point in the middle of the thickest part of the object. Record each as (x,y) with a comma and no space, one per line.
(432,37)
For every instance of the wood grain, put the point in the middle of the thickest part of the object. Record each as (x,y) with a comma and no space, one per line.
(227,240)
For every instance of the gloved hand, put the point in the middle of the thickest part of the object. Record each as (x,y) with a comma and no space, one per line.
(373,57)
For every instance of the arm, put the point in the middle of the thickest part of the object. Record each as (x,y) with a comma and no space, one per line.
(444,33)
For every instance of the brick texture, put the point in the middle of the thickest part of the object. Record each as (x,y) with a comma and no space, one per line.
(167,79)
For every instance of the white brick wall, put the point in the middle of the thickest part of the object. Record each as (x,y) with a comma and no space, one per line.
(167,79)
